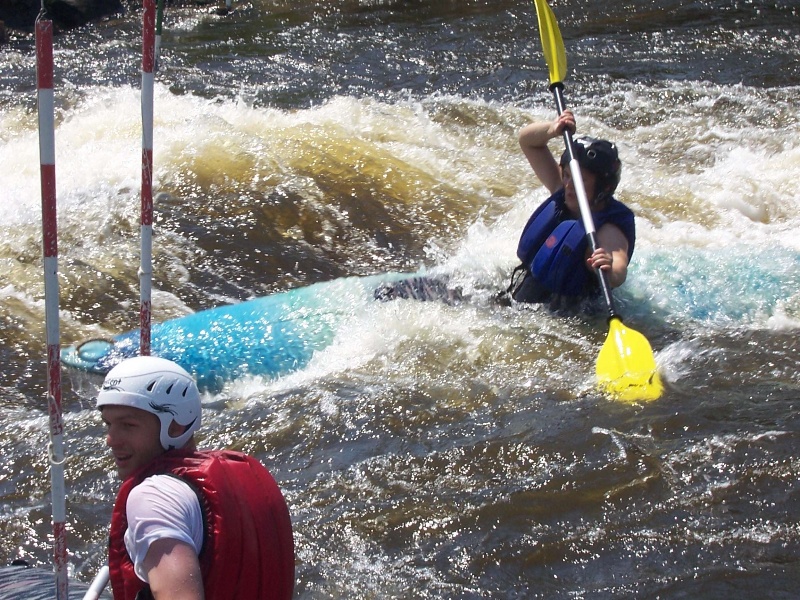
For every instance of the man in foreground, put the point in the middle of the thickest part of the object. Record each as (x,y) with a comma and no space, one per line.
(187,524)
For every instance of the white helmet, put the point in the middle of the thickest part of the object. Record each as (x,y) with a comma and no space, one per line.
(158,386)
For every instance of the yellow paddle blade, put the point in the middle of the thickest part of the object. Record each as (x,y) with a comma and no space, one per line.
(552,44)
(626,368)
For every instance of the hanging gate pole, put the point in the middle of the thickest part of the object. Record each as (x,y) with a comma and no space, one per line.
(146,259)
(44,81)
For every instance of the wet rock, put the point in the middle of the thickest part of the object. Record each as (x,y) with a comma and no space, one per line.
(65,14)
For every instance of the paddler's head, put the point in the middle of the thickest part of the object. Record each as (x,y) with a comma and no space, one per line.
(597,158)
(149,405)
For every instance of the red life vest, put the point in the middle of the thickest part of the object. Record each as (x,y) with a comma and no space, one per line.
(248,549)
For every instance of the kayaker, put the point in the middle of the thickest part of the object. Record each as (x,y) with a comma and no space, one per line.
(187,524)
(557,267)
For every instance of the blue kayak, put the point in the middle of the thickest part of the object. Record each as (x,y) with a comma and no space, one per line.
(266,336)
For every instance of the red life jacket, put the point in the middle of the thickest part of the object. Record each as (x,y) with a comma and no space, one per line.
(248,549)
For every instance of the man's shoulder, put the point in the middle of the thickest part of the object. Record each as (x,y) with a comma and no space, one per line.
(161,498)
(160,485)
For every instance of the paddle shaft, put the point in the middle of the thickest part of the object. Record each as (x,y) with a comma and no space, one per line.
(583,202)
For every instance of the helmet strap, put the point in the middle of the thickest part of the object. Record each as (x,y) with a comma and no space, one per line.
(601,196)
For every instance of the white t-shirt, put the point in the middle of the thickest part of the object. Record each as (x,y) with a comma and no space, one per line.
(161,507)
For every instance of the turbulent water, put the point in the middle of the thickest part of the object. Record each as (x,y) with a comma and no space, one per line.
(435,451)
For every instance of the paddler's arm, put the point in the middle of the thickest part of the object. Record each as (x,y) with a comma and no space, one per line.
(533,140)
(611,254)
(173,571)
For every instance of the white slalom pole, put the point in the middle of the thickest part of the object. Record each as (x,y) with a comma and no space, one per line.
(146,259)
(47,159)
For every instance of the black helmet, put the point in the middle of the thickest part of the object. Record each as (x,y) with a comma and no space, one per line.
(599,157)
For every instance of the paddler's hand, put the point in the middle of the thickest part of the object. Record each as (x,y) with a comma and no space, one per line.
(565,121)
(600,259)
(615,268)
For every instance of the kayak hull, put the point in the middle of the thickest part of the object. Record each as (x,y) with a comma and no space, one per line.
(266,336)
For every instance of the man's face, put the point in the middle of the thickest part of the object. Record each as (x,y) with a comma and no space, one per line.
(133,436)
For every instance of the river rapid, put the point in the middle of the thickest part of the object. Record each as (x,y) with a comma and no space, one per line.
(434,450)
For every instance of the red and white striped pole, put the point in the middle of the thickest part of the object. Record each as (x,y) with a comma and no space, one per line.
(47,159)
(146,259)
